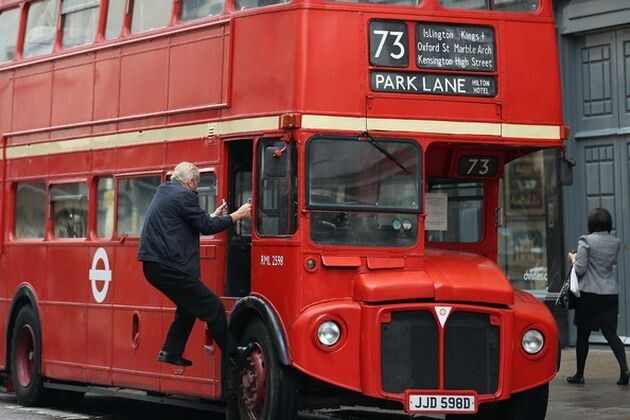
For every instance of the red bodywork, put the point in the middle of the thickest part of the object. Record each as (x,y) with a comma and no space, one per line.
(308,58)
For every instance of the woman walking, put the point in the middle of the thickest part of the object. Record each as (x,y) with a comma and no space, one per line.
(597,306)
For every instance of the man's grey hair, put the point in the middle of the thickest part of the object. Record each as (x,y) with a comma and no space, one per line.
(185,172)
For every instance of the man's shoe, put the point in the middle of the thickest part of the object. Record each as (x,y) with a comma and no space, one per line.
(624,378)
(166,357)
(575,379)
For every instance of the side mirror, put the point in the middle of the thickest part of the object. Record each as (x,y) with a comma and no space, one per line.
(566,170)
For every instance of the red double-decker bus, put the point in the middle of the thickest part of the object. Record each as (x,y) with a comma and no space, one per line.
(372,138)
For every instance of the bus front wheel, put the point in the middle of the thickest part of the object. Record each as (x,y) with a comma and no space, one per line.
(266,389)
(26,353)
(527,405)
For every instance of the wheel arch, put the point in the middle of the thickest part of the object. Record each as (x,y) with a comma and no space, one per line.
(24,296)
(255,306)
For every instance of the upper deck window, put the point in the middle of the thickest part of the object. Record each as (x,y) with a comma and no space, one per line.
(9,22)
(150,14)
(80,19)
(41,25)
(115,18)
(197,9)
(250,4)
(500,5)
(385,2)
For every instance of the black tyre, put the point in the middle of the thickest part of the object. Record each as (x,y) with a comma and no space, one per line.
(527,405)
(266,389)
(26,355)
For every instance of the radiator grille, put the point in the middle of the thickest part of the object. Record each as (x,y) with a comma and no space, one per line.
(409,352)
(410,346)
(471,353)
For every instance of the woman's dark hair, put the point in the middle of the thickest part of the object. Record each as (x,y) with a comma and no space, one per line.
(599,220)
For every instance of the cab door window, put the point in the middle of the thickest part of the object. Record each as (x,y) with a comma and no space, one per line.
(276,210)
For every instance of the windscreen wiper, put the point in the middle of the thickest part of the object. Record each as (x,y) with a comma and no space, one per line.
(378,146)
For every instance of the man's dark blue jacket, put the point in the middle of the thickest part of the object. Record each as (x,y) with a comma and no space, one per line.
(170,234)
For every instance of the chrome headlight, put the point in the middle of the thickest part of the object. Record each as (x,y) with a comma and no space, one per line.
(533,341)
(328,333)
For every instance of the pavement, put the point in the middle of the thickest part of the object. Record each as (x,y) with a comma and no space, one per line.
(600,398)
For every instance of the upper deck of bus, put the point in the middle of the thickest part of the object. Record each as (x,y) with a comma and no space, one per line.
(315,58)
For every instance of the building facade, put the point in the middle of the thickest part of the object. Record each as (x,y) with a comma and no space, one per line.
(594,46)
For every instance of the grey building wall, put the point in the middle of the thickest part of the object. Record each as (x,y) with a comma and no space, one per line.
(594,47)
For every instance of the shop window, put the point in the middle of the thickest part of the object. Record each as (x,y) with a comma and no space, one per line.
(69,206)
(454,211)
(30,210)
(105,208)
(150,14)
(197,9)
(80,19)
(115,18)
(523,237)
(41,25)
(134,197)
(9,23)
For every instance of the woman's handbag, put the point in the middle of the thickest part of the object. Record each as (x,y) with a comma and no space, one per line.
(566,298)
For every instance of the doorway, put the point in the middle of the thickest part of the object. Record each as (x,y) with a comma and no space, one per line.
(239,241)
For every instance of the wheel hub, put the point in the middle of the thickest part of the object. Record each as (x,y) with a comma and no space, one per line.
(25,355)
(253,384)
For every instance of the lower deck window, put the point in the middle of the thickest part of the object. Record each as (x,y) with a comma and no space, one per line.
(30,210)
(69,204)
(454,211)
(134,197)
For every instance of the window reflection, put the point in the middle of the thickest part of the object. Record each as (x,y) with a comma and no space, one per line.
(462,217)
(523,238)
(134,197)
(196,9)
(250,4)
(30,210)
(386,2)
(9,21)
(115,18)
(69,204)
(105,208)
(150,14)
(501,5)
(80,18)
(41,24)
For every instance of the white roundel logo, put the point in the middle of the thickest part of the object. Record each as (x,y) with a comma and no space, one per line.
(100,277)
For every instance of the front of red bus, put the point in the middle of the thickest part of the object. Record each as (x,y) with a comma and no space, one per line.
(404,114)
(401,298)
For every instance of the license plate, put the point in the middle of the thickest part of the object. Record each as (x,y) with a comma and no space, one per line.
(427,403)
